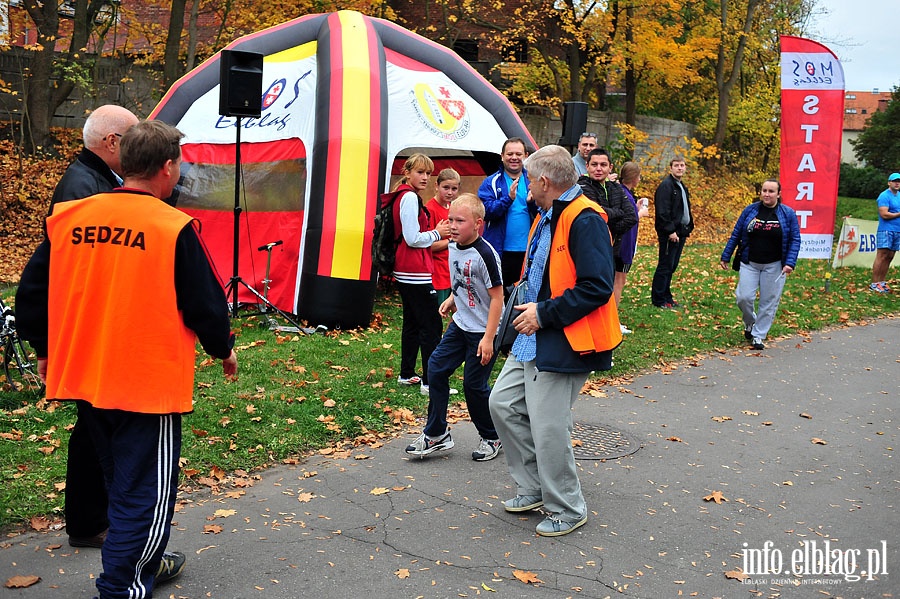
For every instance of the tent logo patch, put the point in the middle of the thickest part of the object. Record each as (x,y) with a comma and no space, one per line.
(273,93)
(442,114)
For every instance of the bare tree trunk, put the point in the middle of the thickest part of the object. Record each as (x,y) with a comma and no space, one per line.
(192,36)
(36,115)
(43,94)
(725,83)
(630,81)
(573,56)
(171,60)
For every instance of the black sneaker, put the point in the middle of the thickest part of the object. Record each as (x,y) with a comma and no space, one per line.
(94,542)
(171,565)
(747,334)
(758,343)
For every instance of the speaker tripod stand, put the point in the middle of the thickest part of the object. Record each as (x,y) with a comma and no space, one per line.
(236,282)
(266,307)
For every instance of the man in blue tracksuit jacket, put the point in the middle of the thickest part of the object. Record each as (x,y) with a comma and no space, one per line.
(507,212)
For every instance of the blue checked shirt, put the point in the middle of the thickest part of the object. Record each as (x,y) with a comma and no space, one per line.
(524,348)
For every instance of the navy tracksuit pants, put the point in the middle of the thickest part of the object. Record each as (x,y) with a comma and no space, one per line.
(139,455)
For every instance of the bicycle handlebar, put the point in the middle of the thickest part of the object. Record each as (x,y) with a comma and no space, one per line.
(269,246)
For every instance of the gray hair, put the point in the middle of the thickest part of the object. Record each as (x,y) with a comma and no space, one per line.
(555,163)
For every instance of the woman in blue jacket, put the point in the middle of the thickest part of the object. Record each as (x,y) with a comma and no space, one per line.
(768,238)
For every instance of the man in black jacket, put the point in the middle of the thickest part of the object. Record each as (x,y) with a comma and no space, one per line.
(596,185)
(674,222)
(93,171)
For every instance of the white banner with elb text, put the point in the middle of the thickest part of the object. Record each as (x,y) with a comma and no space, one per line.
(856,246)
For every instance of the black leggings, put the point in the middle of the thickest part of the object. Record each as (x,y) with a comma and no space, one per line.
(422,327)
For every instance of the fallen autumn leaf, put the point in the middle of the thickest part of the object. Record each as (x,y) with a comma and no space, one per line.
(21,582)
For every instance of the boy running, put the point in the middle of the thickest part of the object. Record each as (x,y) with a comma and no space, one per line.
(476,302)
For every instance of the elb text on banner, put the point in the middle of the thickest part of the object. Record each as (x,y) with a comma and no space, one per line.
(812,113)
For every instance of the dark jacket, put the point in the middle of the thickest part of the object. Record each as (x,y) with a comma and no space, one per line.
(670,209)
(621,212)
(494,194)
(790,234)
(592,253)
(86,176)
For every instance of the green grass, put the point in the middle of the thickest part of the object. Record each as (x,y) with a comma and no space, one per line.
(866,209)
(297,394)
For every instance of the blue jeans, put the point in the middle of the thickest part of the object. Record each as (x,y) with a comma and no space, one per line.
(458,346)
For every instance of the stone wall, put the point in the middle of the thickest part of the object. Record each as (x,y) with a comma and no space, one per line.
(666,137)
(115,81)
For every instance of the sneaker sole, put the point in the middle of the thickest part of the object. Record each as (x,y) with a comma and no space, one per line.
(425,452)
(575,526)
(85,544)
(486,458)
(523,508)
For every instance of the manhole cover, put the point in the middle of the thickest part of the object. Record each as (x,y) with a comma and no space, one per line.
(595,442)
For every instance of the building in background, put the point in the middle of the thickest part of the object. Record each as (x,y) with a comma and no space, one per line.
(858,107)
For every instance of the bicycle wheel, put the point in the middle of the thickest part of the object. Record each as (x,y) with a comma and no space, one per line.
(21,373)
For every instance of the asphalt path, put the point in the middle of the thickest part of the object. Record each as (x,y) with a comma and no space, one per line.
(773,462)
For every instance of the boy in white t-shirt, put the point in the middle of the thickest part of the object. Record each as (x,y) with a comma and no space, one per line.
(476,302)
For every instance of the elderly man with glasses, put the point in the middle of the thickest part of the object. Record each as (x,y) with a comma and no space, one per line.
(568,327)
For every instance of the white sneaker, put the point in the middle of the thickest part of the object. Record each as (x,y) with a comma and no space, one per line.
(625,330)
(424,389)
(423,446)
(487,450)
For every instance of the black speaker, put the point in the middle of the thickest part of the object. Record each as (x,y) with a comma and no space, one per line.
(240,83)
(574,122)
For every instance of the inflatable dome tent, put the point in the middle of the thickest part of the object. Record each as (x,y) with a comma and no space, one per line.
(343,96)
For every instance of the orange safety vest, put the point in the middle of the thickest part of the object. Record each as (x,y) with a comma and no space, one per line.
(116,337)
(599,330)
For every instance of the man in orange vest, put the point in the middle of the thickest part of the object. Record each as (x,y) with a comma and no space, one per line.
(116,297)
(568,327)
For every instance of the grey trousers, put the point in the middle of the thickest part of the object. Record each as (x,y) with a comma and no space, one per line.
(532,412)
(769,279)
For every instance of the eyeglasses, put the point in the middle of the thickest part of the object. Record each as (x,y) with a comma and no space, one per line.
(589,134)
